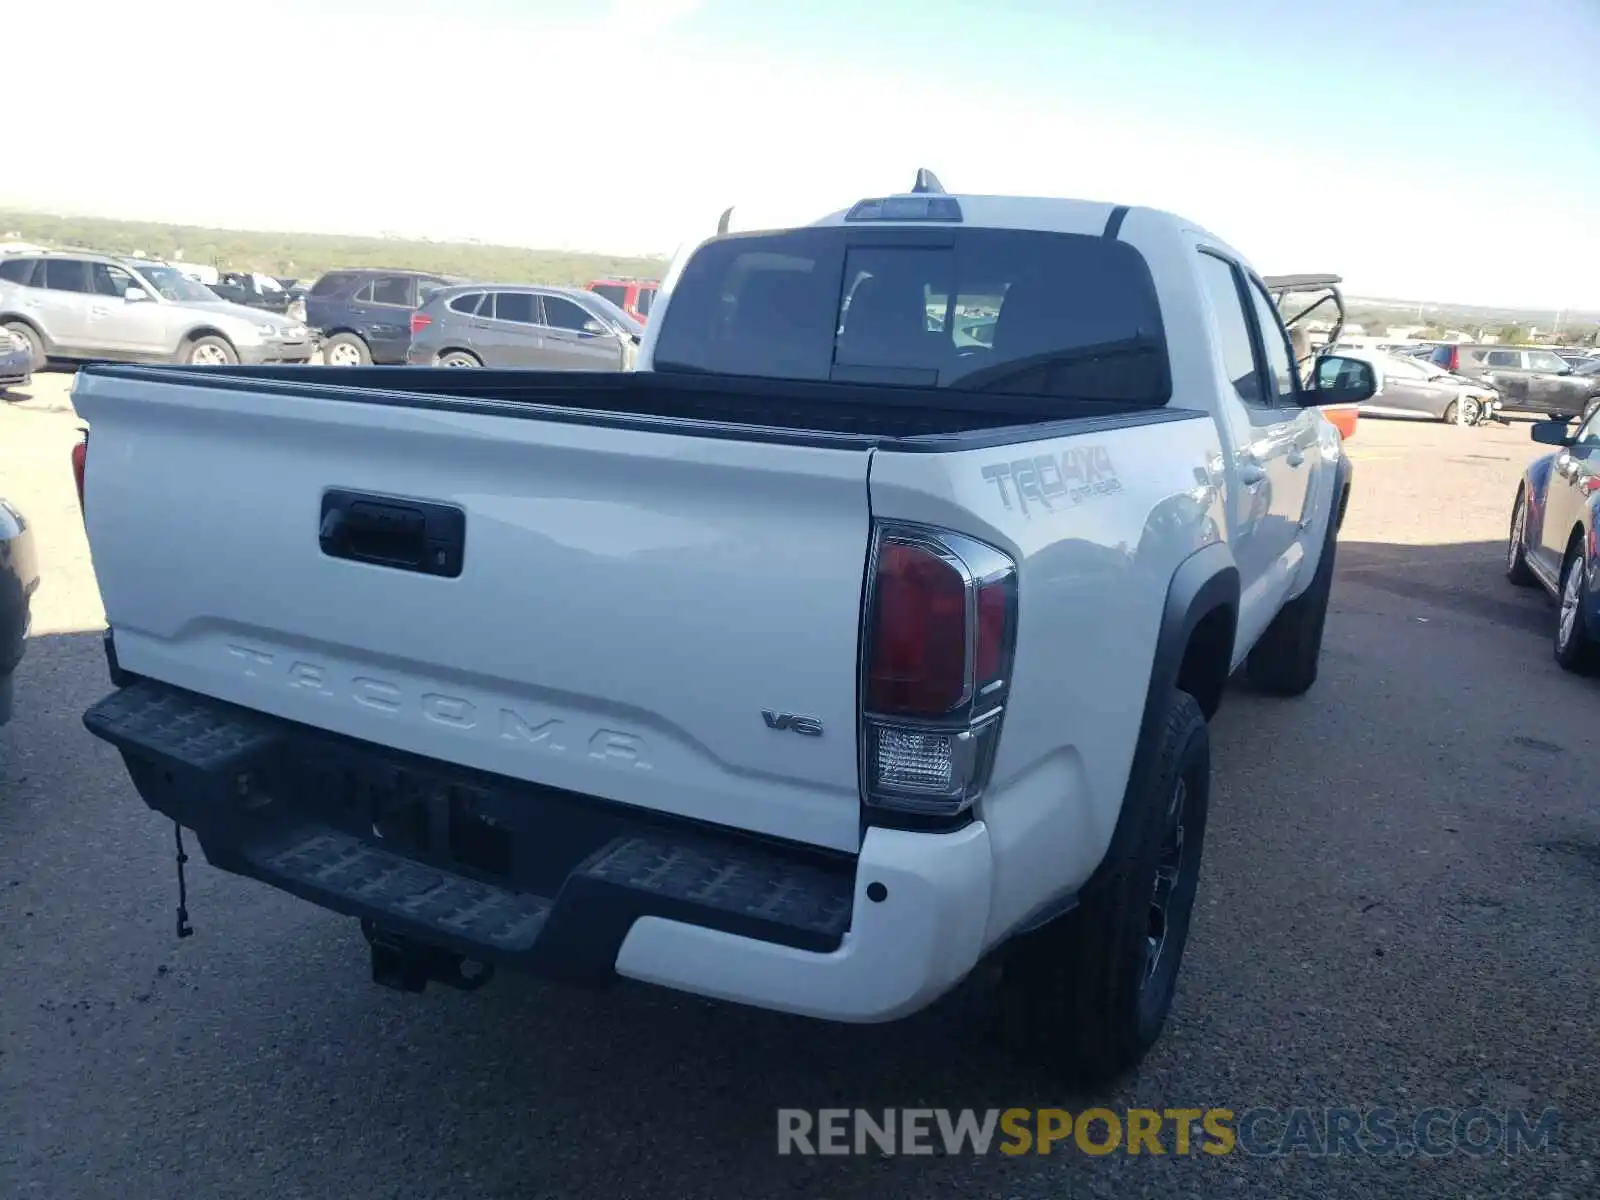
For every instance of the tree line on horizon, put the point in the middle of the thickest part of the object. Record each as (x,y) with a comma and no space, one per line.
(305,256)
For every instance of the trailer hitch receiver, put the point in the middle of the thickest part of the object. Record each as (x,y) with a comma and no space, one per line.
(408,965)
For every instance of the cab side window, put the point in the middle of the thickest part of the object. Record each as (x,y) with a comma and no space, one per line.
(1232,328)
(1275,344)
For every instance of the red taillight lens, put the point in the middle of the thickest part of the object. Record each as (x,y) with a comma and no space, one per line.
(940,638)
(1455,359)
(80,459)
(919,634)
(419,322)
(992,633)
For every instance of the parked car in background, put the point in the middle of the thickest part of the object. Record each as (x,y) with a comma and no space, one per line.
(364,316)
(16,360)
(19,579)
(632,296)
(1575,358)
(1553,540)
(1412,387)
(523,325)
(252,290)
(93,306)
(1529,379)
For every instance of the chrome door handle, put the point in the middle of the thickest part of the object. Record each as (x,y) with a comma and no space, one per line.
(1251,475)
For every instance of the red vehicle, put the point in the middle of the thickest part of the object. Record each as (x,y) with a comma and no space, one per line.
(632,296)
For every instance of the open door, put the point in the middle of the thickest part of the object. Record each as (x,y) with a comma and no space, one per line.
(1297,298)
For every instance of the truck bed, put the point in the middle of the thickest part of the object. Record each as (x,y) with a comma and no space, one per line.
(793,412)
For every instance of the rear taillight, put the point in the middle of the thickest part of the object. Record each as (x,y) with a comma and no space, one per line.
(80,459)
(1455,360)
(939,639)
(419,322)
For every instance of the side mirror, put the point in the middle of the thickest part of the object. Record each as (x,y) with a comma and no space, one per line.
(595,328)
(135,294)
(1339,380)
(1551,433)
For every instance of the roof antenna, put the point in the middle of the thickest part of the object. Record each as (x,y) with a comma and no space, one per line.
(927,183)
(722,221)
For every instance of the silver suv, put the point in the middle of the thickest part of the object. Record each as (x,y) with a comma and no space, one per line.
(523,325)
(93,306)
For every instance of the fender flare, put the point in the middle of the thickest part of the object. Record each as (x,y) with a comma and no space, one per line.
(1204,582)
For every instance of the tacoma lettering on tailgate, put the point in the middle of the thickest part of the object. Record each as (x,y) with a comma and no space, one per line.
(1054,481)
(492,723)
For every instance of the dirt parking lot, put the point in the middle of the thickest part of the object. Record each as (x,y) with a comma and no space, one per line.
(1396,910)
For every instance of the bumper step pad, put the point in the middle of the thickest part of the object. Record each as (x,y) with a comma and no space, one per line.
(218,769)
(396,890)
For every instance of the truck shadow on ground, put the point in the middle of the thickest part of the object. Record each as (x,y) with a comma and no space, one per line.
(1466,577)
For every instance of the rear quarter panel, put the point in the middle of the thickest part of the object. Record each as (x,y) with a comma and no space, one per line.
(1097,523)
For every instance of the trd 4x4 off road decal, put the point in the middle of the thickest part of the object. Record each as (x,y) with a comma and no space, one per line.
(1054,481)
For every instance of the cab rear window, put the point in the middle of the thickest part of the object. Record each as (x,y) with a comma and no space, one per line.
(1002,311)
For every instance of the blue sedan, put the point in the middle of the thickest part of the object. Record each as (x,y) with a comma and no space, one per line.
(1553,540)
(16,361)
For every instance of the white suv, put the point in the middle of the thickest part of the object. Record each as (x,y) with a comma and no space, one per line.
(90,306)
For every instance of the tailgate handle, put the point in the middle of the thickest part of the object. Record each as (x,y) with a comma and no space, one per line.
(386,531)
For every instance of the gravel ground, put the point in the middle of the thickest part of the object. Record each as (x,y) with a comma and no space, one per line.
(1396,909)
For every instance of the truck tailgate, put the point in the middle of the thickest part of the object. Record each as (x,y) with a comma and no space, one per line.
(634,609)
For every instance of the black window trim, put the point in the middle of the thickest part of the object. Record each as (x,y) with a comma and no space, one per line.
(27,280)
(383,276)
(544,314)
(538,307)
(342,278)
(1265,385)
(85,263)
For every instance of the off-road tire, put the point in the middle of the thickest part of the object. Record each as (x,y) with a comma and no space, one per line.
(1078,995)
(1284,661)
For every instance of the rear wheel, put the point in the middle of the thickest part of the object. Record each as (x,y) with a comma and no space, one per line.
(1091,992)
(1575,646)
(1516,544)
(459,358)
(35,344)
(210,352)
(346,350)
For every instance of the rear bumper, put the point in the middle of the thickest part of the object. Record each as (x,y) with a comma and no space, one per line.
(515,874)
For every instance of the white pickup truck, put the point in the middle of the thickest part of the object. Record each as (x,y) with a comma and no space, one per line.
(866,634)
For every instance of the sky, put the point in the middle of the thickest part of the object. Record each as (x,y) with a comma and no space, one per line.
(1422,149)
